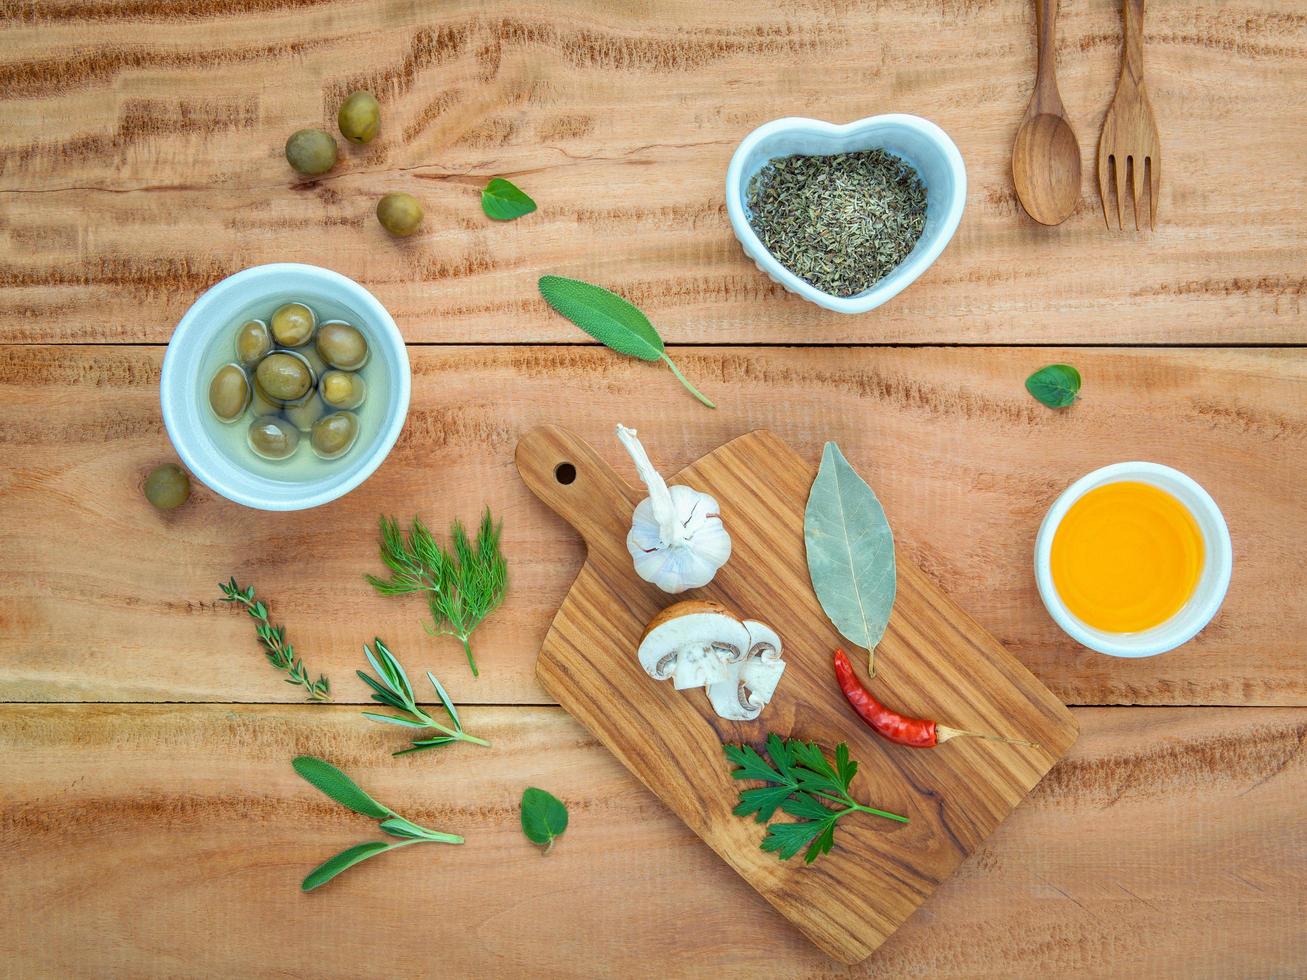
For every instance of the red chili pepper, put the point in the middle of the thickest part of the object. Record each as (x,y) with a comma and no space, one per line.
(917,733)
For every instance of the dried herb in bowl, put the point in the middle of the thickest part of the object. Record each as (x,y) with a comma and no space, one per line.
(841,222)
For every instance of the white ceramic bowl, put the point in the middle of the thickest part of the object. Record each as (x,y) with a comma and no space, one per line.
(216,311)
(1218,563)
(916,140)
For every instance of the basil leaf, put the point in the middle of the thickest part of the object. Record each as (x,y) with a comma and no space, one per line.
(346,859)
(544,817)
(503,201)
(850,551)
(612,321)
(338,786)
(1055,386)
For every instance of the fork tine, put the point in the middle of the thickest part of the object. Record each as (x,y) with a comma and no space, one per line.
(1154,185)
(1103,186)
(1137,182)
(1118,171)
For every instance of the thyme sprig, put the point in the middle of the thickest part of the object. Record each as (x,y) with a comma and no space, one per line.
(463,584)
(273,638)
(391,687)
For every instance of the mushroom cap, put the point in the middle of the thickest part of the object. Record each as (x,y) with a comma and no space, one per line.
(694,643)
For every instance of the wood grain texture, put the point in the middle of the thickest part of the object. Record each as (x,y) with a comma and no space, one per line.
(170,841)
(141,162)
(933,657)
(101,598)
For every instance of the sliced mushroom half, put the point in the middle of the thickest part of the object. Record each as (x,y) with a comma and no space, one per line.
(753,680)
(695,643)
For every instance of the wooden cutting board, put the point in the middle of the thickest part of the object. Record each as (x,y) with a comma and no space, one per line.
(934,662)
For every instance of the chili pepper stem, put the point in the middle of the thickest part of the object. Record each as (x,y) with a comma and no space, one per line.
(943,733)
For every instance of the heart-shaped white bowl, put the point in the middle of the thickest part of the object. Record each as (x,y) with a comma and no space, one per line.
(918,141)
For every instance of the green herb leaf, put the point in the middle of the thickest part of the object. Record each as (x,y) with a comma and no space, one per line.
(331,867)
(612,321)
(1055,386)
(807,786)
(273,638)
(503,201)
(544,817)
(339,787)
(850,551)
(392,688)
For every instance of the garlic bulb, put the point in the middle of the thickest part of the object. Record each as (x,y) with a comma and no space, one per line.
(702,644)
(677,539)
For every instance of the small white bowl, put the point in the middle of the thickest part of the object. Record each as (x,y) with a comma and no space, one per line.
(917,141)
(1218,563)
(216,311)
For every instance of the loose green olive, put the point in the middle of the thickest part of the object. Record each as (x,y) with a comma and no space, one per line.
(342,389)
(400,214)
(311,151)
(359,117)
(293,324)
(333,435)
(303,415)
(167,486)
(272,437)
(253,340)
(342,345)
(284,376)
(229,393)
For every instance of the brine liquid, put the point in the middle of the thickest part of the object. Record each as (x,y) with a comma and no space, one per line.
(1126,557)
(304,465)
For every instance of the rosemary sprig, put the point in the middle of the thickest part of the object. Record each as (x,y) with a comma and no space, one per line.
(279,653)
(463,584)
(347,793)
(391,688)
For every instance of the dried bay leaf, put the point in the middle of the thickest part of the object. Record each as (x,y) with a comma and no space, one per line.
(850,550)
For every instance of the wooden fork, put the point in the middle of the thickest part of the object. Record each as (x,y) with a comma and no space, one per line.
(1129,140)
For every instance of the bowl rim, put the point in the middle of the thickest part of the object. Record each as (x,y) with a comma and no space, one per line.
(174,389)
(1177,630)
(914,266)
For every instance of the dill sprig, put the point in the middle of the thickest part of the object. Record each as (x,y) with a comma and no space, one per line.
(392,688)
(463,584)
(279,653)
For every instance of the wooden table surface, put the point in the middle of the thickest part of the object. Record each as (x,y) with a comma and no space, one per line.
(148,810)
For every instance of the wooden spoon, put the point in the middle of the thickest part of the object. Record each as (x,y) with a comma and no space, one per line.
(1046,155)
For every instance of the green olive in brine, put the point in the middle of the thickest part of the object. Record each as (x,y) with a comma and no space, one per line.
(342,389)
(399,213)
(167,486)
(292,324)
(229,392)
(273,438)
(342,345)
(311,151)
(253,341)
(359,117)
(333,435)
(284,377)
(303,415)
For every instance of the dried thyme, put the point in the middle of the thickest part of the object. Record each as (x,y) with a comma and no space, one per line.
(840,222)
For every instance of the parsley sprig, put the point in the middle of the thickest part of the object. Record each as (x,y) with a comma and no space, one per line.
(273,638)
(805,782)
(391,687)
(463,584)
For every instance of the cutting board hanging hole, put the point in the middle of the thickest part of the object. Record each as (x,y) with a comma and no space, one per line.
(565,473)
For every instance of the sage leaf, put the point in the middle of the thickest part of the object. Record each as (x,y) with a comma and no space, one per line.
(850,551)
(346,859)
(611,320)
(544,817)
(503,200)
(339,787)
(1055,386)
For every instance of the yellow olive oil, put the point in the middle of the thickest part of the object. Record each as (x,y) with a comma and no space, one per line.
(1126,557)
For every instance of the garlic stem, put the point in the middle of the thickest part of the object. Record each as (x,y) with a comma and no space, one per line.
(670,530)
